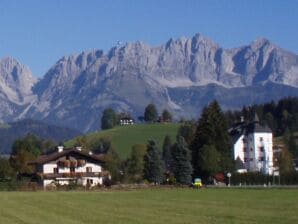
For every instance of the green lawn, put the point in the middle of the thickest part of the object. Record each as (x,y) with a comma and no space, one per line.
(151,206)
(124,137)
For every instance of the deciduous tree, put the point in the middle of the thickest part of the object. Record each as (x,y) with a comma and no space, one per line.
(150,114)
(108,119)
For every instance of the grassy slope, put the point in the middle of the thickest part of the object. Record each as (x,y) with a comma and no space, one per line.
(124,137)
(151,206)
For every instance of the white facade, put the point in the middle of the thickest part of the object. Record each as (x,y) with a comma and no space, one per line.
(126,122)
(255,150)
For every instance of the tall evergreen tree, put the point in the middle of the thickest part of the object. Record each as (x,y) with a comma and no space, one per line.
(182,162)
(153,164)
(167,154)
(212,130)
(209,160)
(187,131)
(150,114)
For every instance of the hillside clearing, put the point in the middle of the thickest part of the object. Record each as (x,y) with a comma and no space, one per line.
(124,137)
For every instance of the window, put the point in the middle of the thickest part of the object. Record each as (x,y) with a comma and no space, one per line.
(251,149)
(245,160)
(261,138)
(244,149)
(261,149)
(261,159)
(72,169)
(251,159)
(55,170)
(89,169)
(244,140)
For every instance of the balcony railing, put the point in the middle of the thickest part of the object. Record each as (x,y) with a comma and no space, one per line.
(72,175)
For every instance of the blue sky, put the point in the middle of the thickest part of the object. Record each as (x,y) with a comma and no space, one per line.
(39,32)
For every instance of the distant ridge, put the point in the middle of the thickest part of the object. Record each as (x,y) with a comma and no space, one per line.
(74,92)
(12,131)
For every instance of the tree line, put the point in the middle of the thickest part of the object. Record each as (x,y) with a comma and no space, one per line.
(110,118)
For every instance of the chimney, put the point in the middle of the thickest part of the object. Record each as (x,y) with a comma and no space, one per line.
(60,148)
(79,148)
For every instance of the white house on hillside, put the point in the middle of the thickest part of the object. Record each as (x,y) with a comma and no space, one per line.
(253,147)
(70,166)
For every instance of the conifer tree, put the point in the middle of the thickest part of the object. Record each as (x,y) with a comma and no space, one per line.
(167,154)
(182,162)
(212,130)
(153,164)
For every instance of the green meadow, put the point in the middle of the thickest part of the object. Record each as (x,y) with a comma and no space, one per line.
(124,137)
(151,206)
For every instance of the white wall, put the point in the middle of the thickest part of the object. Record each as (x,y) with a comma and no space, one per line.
(253,153)
(49,167)
(95,168)
(238,148)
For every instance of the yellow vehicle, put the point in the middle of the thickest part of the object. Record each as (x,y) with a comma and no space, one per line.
(197,183)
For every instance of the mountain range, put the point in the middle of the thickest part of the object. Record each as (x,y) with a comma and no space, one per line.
(182,75)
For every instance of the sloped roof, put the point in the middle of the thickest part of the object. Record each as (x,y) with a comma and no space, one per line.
(241,128)
(255,127)
(56,155)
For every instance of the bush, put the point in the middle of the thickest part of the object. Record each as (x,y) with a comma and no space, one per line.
(256,178)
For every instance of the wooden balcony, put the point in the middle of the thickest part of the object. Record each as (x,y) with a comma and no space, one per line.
(73,175)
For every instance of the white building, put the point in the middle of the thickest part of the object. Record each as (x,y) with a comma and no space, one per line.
(253,147)
(126,121)
(70,166)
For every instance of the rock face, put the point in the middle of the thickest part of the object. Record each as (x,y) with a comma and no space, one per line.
(78,87)
(16,82)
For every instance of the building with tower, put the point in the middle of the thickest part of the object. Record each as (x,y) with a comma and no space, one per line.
(252,146)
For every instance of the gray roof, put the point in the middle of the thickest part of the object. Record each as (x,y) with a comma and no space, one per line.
(243,128)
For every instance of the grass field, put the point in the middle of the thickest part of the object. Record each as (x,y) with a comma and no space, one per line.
(151,206)
(124,137)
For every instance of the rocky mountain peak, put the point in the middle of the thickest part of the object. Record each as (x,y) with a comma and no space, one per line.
(77,88)
(260,42)
(16,80)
